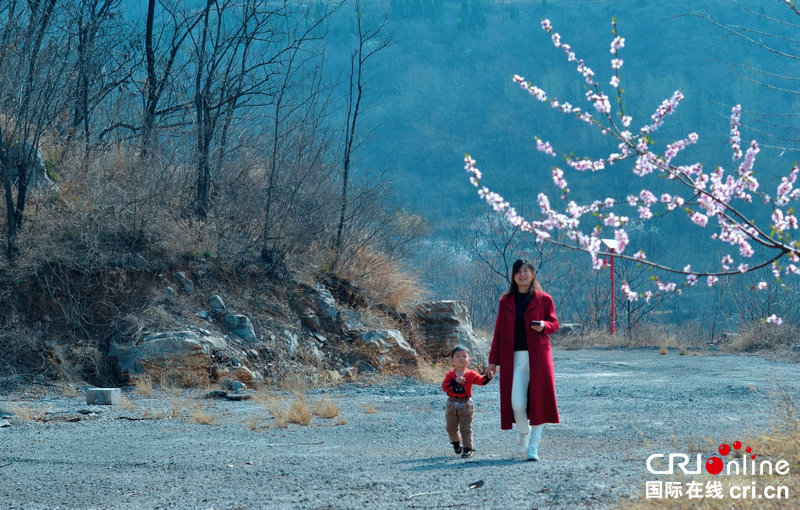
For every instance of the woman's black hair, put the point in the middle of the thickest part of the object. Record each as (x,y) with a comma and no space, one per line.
(519,264)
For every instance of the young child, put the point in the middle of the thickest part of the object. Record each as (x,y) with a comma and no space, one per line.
(460,408)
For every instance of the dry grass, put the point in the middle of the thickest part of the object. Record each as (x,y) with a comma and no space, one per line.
(67,390)
(198,414)
(273,404)
(663,351)
(175,407)
(252,422)
(757,336)
(29,412)
(368,407)
(381,279)
(299,411)
(144,385)
(642,335)
(127,404)
(326,408)
(433,372)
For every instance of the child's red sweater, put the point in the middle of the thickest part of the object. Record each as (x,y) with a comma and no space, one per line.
(455,390)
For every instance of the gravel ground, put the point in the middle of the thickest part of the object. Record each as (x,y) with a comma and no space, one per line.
(617,407)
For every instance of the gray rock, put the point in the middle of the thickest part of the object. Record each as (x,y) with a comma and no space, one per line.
(169,291)
(241,395)
(203,314)
(569,328)
(291,342)
(324,301)
(240,326)
(30,159)
(188,285)
(388,345)
(217,304)
(233,385)
(178,350)
(6,414)
(4,423)
(351,320)
(796,348)
(104,396)
(88,411)
(216,394)
(314,351)
(444,324)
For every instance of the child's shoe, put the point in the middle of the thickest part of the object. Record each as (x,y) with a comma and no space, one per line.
(467,453)
(456,446)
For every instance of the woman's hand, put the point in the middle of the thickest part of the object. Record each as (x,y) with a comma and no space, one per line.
(538,327)
(491,369)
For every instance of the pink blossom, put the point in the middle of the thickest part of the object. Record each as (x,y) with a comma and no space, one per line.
(774,319)
(711,280)
(639,255)
(558,178)
(629,294)
(699,219)
(735,138)
(742,268)
(622,240)
(614,81)
(616,63)
(632,200)
(666,287)
(545,147)
(761,285)
(546,26)
(617,44)
(644,212)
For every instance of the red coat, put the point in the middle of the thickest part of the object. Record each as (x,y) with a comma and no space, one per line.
(542,391)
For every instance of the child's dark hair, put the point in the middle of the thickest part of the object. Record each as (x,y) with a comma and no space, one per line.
(458,348)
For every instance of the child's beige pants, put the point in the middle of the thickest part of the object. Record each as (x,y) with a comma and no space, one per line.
(459,414)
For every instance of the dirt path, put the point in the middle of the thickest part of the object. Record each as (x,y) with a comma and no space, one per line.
(617,408)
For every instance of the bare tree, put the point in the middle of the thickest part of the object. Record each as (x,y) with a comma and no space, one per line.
(32,102)
(160,70)
(371,40)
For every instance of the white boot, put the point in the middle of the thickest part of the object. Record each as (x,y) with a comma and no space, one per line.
(524,439)
(533,446)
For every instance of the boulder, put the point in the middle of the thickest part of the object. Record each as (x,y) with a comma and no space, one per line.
(387,346)
(351,321)
(30,159)
(217,304)
(179,350)
(188,285)
(291,342)
(324,301)
(240,326)
(444,324)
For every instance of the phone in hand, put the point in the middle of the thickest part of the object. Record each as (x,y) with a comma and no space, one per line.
(537,323)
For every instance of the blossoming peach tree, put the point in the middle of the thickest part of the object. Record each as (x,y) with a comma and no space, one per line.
(710,199)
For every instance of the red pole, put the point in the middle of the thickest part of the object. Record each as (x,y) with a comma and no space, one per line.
(613,301)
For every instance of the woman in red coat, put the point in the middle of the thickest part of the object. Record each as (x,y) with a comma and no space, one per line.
(521,346)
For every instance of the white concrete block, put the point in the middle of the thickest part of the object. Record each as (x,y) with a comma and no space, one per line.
(105,396)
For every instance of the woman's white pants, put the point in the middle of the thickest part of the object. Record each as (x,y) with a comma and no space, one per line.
(519,391)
